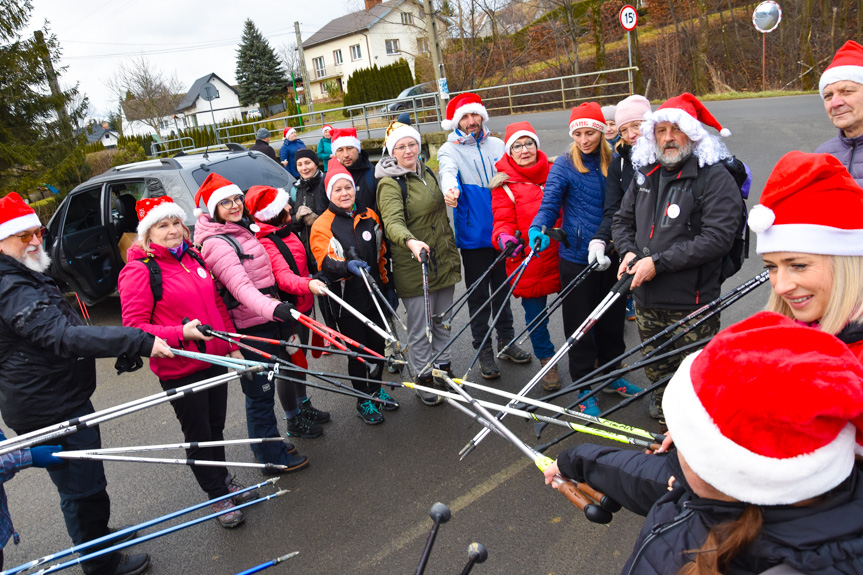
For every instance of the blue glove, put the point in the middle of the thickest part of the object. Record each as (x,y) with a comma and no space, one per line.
(535,234)
(43,456)
(354,267)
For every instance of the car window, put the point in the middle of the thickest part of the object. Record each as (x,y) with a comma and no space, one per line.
(136,189)
(246,171)
(83,212)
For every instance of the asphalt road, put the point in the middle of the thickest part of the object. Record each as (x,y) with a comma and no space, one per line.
(362,505)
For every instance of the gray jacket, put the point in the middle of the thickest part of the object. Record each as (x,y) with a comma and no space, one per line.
(848,151)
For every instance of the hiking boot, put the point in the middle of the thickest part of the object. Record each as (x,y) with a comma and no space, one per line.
(133,564)
(369,412)
(630,308)
(654,407)
(487,365)
(589,407)
(296,462)
(234,486)
(383,395)
(622,387)
(551,380)
(439,381)
(299,426)
(514,353)
(313,414)
(427,397)
(233,517)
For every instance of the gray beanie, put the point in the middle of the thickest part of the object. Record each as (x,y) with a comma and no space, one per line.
(608,112)
(262,133)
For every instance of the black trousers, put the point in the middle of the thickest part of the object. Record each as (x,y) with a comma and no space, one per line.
(289,391)
(358,331)
(476,262)
(605,340)
(202,418)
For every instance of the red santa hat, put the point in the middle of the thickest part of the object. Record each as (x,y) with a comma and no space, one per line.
(345,138)
(150,211)
(288,131)
(214,189)
(398,131)
(326,128)
(587,115)
(516,131)
(466,103)
(266,202)
(689,114)
(770,412)
(336,171)
(810,204)
(847,64)
(16,216)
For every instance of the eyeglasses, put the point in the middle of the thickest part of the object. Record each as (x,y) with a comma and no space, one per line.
(529,145)
(633,128)
(413,147)
(27,236)
(229,202)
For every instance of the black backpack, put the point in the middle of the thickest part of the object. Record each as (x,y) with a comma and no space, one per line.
(156,283)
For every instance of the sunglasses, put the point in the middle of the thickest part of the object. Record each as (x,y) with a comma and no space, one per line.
(27,236)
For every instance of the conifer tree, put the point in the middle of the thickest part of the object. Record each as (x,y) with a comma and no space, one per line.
(259,70)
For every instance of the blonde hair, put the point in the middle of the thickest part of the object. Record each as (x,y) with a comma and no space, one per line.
(187,235)
(846,296)
(604,157)
(725,542)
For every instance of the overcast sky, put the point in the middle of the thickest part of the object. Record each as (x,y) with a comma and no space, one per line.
(189,37)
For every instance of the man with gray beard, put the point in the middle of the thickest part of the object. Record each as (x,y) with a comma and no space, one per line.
(675,225)
(48,373)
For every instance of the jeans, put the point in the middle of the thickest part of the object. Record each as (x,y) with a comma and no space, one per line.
(540,338)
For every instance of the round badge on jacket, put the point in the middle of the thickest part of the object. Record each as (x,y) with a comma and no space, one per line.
(673,211)
(367,235)
(202,273)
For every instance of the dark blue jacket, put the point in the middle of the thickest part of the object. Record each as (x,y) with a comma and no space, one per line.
(581,196)
(288,151)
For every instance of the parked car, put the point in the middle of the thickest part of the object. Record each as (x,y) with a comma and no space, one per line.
(405,100)
(86,232)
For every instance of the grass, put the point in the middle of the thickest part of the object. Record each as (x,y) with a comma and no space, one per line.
(740,95)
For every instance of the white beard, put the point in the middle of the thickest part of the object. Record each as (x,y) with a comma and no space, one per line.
(36,259)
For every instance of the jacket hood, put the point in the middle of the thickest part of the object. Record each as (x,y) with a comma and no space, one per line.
(467,139)
(388,167)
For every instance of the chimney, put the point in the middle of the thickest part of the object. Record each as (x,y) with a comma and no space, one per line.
(372,3)
(105,125)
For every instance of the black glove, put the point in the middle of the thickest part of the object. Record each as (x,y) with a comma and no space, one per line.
(129,364)
(392,298)
(283,312)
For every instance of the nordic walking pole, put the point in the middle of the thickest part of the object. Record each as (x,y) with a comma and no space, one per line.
(424,263)
(132,529)
(366,321)
(269,563)
(439,513)
(368,280)
(283,343)
(167,446)
(325,330)
(476,554)
(77,455)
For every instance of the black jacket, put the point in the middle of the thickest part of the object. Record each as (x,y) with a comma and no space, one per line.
(824,538)
(47,370)
(309,193)
(262,146)
(363,173)
(687,237)
(620,173)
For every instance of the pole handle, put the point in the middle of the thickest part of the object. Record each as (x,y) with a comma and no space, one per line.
(424,256)
(594,513)
(604,500)
(622,285)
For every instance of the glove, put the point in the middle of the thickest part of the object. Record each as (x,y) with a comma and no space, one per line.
(504,240)
(43,455)
(303,211)
(535,234)
(126,363)
(392,298)
(283,311)
(354,266)
(596,253)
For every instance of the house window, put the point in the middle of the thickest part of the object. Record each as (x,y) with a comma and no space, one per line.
(407,18)
(423,45)
(392,47)
(356,53)
(320,68)
(337,57)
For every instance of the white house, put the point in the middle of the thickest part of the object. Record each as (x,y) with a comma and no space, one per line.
(380,34)
(102,133)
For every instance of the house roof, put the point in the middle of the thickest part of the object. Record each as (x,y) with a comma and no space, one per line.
(195,91)
(95,132)
(352,23)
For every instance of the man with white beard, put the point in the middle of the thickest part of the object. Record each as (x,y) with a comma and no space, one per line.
(48,373)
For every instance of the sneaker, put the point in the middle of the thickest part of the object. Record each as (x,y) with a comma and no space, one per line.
(296,462)
(630,308)
(654,408)
(589,407)
(313,414)
(133,564)
(551,380)
(427,397)
(622,387)
(384,396)
(514,354)
(488,367)
(233,517)
(234,486)
(300,426)
(369,413)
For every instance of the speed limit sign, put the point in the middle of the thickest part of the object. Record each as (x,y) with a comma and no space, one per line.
(628,18)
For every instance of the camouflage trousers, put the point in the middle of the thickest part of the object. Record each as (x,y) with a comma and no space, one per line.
(651,321)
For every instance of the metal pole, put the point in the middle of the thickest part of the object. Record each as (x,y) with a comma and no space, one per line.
(215,125)
(629,50)
(436,55)
(763,62)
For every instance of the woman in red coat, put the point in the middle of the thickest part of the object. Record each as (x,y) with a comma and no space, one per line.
(515,199)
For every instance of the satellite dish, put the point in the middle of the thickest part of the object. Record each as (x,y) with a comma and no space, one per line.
(208,92)
(767,16)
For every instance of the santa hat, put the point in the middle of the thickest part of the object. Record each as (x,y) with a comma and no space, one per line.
(16,216)
(326,128)
(345,138)
(466,103)
(770,412)
(397,131)
(810,204)
(150,211)
(847,64)
(266,202)
(336,171)
(214,189)
(516,131)
(587,115)
(631,109)
(288,131)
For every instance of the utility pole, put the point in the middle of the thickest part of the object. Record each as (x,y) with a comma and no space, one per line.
(42,49)
(307,86)
(436,56)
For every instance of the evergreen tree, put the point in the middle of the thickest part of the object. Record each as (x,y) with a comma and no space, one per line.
(259,70)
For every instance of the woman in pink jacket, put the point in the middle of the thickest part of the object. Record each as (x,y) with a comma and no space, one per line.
(242,268)
(269,207)
(187,290)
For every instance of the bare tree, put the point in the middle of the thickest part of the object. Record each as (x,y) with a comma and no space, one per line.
(290,57)
(146,93)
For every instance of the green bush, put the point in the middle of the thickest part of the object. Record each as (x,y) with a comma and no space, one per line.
(130,153)
(45,208)
(375,84)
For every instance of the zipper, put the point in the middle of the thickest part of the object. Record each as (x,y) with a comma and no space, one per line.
(659,530)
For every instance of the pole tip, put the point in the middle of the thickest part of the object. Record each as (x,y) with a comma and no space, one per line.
(440,512)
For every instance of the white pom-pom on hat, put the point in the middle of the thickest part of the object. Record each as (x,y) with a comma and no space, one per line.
(724,132)
(197,212)
(761,218)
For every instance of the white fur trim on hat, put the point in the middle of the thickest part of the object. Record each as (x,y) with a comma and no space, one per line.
(346,142)
(587,123)
(472,108)
(839,73)
(520,134)
(403,131)
(810,239)
(157,214)
(739,472)
(336,177)
(222,193)
(709,149)
(275,207)
(18,225)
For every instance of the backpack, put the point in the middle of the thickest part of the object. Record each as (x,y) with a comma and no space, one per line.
(230,301)
(156,283)
(404,187)
(292,263)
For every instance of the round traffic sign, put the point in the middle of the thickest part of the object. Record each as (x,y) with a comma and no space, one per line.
(628,18)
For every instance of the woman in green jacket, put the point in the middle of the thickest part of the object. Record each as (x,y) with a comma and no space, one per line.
(415,219)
